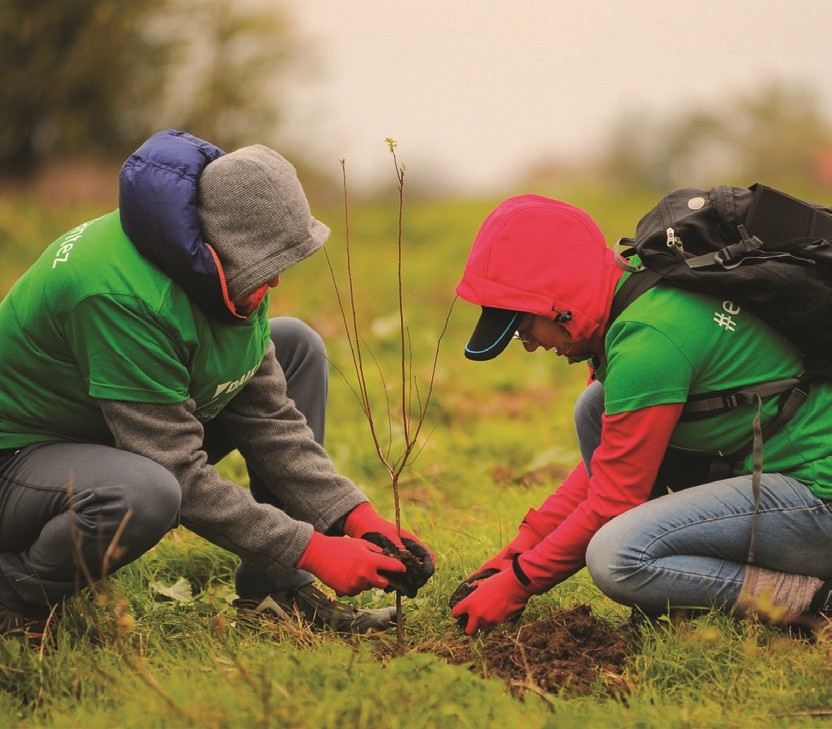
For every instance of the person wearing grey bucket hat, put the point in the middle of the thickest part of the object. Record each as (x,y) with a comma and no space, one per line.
(255,213)
(142,353)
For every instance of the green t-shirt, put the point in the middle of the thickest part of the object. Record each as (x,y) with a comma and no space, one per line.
(92,318)
(669,344)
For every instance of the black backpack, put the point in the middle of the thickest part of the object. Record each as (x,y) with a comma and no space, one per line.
(760,249)
(757,247)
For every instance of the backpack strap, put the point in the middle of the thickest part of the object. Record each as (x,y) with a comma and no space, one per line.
(729,256)
(798,395)
(706,404)
(788,408)
(637,283)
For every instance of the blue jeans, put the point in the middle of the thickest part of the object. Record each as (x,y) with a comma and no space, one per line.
(690,548)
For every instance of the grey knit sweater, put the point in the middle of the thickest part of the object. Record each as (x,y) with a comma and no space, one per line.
(275,442)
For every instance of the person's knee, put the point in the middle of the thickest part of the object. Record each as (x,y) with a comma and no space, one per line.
(150,503)
(301,354)
(287,331)
(613,564)
(118,519)
(598,563)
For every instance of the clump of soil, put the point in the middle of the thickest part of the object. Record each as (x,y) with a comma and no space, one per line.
(419,565)
(466,587)
(569,650)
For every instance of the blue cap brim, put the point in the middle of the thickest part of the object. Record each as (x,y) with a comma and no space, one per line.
(492,333)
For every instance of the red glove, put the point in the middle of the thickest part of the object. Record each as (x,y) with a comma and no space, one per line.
(527,538)
(365,522)
(348,566)
(538,523)
(493,600)
(364,519)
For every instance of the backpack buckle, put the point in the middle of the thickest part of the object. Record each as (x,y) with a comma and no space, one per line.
(730,255)
(734,400)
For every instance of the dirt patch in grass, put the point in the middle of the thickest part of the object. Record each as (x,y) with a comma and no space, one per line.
(548,473)
(568,650)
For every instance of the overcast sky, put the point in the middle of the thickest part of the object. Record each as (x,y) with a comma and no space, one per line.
(476,91)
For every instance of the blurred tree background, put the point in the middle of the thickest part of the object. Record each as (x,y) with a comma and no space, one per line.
(777,134)
(90,79)
(95,77)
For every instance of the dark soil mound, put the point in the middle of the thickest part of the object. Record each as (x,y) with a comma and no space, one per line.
(568,650)
(416,560)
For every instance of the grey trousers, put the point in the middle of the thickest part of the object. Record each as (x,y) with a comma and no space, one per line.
(62,505)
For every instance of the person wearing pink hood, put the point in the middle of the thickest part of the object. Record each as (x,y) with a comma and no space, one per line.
(542,271)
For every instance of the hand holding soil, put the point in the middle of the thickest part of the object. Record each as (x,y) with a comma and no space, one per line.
(416,558)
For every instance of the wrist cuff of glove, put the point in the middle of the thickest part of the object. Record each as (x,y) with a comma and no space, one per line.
(310,557)
(360,519)
(518,571)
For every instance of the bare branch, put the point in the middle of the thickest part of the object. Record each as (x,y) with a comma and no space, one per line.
(420,449)
(349,384)
(387,407)
(353,335)
(411,378)
(424,411)
(346,326)
(399,237)
(408,382)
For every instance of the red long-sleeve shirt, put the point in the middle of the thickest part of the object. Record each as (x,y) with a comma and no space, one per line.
(624,468)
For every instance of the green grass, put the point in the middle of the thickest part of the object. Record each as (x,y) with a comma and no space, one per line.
(125,658)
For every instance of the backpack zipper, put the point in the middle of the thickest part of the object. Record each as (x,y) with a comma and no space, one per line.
(674,241)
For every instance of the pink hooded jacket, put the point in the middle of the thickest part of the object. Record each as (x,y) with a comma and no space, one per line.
(543,256)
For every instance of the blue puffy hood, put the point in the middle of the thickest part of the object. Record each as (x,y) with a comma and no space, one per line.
(158,195)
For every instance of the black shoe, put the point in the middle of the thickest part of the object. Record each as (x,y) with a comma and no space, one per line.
(640,622)
(318,610)
(13,624)
(817,620)
(822,601)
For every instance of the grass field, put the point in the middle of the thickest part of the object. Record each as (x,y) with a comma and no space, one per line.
(497,437)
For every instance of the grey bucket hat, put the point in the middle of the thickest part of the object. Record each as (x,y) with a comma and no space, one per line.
(254,212)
